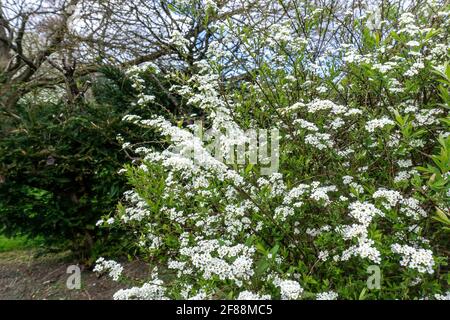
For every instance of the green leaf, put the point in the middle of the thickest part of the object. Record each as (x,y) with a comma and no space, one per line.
(362,295)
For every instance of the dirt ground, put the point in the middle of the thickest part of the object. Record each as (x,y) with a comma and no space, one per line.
(25,276)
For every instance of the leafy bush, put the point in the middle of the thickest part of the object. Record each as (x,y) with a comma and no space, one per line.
(363,164)
(18,243)
(59,165)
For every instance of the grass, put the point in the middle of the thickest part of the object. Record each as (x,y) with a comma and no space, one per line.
(17,243)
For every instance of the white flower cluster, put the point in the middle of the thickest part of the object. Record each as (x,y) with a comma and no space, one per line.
(392,197)
(320,141)
(337,123)
(323,255)
(364,212)
(280,33)
(211,257)
(108,221)
(335,114)
(419,259)
(248,295)
(179,40)
(363,249)
(445,296)
(153,290)
(113,268)
(295,194)
(282,212)
(189,152)
(145,99)
(414,69)
(353,231)
(328,295)
(411,208)
(320,193)
(326,105)
(314,232)
(372,125)
(426,117)
(407,22)
(408,206)
(306,125)
(404,163)
(384,67)
(404,175)
(138,208)
(347,179)
(289,289)
(237,217)
(315,191)
(134,74)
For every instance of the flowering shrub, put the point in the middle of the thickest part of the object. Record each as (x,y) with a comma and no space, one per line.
(58,162)
(361,107)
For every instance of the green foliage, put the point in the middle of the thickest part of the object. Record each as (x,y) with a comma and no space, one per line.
(59,166)
(17,243)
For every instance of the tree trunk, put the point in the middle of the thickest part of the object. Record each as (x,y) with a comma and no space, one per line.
(8,97)
(5,55)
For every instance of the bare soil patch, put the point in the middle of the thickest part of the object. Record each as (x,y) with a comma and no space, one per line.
(24,276)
